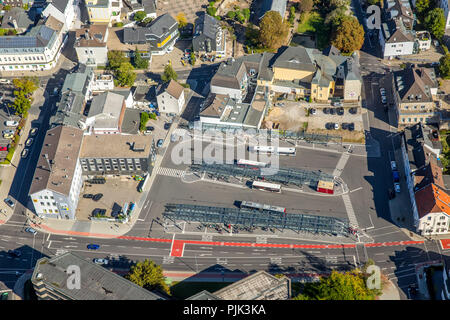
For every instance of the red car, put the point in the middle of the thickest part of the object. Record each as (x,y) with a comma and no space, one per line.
(3,149)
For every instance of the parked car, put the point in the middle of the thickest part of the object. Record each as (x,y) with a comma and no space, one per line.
(312,111)
(344,126)
(5,81)
(93,246)
(383,100)
(393,165)
(329,125)
(340,111)
(8,131)
(353,110)
(97,197)
(397,187)
(9,202)
(351,126)
(326,110)
(24,153)
(337,104)
(30,230)
(3,148)
(29,142)
(8,135)
(33,131)
(160,143)
(391,194)
(11,123)
(382,91)
(336,126)
(150,128)
(88,195)
(332,111)
(167,126)
(157,112)
(14,253)
(101,261)
(396,176)
(98,211)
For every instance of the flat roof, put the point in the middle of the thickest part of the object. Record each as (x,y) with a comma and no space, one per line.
(114,146)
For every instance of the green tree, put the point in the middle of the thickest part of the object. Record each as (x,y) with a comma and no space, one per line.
(339,3)
(139,62)
(26,6)
(169,74)
(181,19)
(336,17)
(349,36)
(422,8)
(291,15)
(375,2)
(273,30)
(211,10)
(444,66)
(306,5)
(7,7)
(144,118)
(115,59)
(147,21)
(148,275)
(21,104)
(435,22)
(192,58)
(231,14)
(246,14)
(240,17)
(26,85)
(139,16)
(125,74)
(338,286)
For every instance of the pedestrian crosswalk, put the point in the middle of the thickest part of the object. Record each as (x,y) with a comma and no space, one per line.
(341,164)
(60,251)
(170,172)
(276,260)
(349,209)
(168,259)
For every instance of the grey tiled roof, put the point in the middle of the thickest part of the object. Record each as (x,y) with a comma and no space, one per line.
(61,5)
(36,40)
(97,283)
(274,5)
(298,58)
(21,17)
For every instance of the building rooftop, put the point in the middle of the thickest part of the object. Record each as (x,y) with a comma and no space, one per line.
(94,36)
(97,282)
(69,110)
(100,146)
(57,160)
(108,109)
(61,5)
(273,5)
(432,199)
(258,286)
(203,295)
(34,40)
(414,84)
(20,16)
(173,88)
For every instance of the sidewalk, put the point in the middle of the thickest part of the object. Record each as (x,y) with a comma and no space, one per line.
(390,292)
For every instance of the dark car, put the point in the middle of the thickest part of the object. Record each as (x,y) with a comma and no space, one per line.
(14,253)
(344,126)
(326,110)
(150,128)
(9,202)
(340,111)
(351,126)
(329,125)
(160,143)
(97,197)
(88,195)
(391,194)
(332,111)
(93,246)
(98,211)
(353,110)
(167,126)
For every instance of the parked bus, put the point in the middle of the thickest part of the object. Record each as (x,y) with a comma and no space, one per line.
(260,206)
(243,162)
(266,186)
(143,183)
(270,149)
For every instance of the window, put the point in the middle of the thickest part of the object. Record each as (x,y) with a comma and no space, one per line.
(45,210)
(442,218)
(48,204)
(54,203)
(52,197)
(429,218)
(42,204)
(45,197)
(409,119)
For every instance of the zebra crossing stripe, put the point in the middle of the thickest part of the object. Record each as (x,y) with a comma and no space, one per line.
(170,172)
(349,209)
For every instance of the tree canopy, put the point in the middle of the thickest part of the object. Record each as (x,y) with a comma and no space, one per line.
(435,22)
(444,66)
(306,5)
(273,30)
(138,61)
(125,74)
(338,286)
(181,19)
(148,275)
(23,90)
(116,58)
(139,16)
(349,36)
(169,74)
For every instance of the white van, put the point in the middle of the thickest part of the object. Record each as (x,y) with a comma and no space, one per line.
(5,81)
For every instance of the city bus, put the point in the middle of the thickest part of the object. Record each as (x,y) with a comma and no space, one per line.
(243,162)
(270,149)
(266,186)
(260,206)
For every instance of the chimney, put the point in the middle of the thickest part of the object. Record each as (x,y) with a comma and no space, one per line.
(15,24)
(86,34)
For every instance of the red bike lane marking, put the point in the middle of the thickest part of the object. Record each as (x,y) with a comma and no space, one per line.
(177,248)
(445,244)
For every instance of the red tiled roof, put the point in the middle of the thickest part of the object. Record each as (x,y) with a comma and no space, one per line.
(432,198)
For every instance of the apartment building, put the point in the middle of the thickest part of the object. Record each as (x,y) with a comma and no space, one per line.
(106,114)
(49,280)
(413,96)
(37,49)
(90,45)
(161,35)
(62,10)
(133,6)
(170,97)
(57,182)
(209,38)
(104,11)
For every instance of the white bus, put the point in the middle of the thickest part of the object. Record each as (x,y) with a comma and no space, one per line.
(260,206)
(243,162)
(270,149)
(266,186)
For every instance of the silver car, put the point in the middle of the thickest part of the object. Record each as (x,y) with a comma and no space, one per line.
(101,261)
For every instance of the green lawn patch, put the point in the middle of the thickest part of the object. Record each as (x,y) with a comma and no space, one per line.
(185,289)
(313,23)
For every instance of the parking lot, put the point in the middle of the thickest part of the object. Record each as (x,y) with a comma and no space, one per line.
(113,198)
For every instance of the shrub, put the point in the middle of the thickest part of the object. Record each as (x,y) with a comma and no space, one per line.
(118,24)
